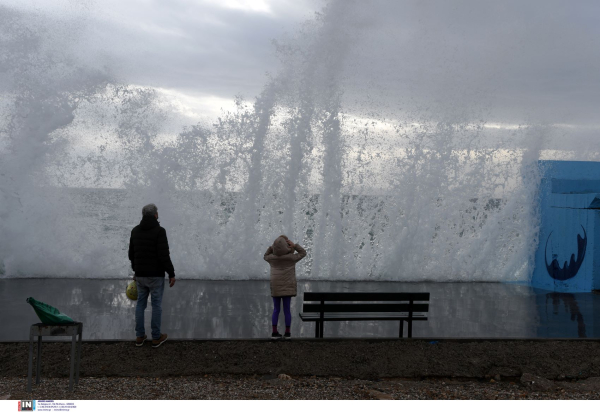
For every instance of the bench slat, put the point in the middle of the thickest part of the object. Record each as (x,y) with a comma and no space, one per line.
(364,296)
(365,307)
(350,316)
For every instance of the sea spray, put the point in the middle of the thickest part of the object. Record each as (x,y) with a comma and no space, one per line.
(374,183)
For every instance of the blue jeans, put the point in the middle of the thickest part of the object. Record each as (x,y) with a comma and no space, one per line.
(155,288)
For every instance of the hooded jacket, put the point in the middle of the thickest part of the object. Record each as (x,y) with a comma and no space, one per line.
(149,249)
(282,260)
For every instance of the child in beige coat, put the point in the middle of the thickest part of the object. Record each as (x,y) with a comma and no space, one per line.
(282,259)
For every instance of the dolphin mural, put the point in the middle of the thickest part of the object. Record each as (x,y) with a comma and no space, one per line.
(568,271)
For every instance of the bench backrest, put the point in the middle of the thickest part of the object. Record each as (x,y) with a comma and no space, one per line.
(403,302)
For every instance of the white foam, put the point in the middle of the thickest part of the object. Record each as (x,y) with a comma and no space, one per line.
(374,187)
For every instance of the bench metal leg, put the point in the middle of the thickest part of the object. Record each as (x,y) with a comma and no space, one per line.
(38,372)
(410,328)
(78,355)
(319,329)
(30,367)
(401,329)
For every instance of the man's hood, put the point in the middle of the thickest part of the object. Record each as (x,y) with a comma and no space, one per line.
(148,222)
(281,247)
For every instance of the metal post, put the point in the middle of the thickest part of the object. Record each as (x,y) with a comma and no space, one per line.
(80,330)
(316,329)
(401,328)
(410,317)
(39,360)
(72,374)
(321,319)
(30,367)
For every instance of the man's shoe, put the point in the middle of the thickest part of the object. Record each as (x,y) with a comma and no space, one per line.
(287,335)
(276,335)
(157,342)
(139,341)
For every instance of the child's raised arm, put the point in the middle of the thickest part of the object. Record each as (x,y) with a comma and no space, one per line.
(301,252)
(268,252)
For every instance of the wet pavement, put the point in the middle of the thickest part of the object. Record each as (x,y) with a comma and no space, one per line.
(199,309)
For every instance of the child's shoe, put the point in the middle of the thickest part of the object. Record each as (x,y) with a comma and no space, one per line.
(287,335)
(276,335)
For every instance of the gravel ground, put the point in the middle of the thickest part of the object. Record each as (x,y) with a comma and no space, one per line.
(269,387)
(311,369)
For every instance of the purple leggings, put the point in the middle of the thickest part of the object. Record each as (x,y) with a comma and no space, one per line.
(286,310)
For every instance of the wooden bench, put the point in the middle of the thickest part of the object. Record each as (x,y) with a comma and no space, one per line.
(405,307)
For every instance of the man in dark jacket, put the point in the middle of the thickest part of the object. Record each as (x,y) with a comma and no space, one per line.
(149,255)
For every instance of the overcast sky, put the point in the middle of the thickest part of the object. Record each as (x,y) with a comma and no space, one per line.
(203,52)
(517,62)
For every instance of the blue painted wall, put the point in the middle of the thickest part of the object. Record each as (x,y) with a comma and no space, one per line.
(567,259)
